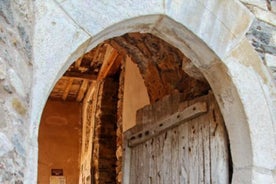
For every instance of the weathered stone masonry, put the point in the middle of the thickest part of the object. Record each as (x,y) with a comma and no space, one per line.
(104,143)
(160,65)
(262,33)
(119,131)
(16,22)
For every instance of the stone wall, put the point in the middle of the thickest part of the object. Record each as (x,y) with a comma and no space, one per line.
(101,157)
(16,21)
(119,131)
(262,33)
(160,65)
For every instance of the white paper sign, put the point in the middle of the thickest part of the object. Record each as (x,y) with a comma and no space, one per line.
(57,180)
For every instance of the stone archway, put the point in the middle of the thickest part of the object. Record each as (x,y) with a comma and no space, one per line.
(217,47)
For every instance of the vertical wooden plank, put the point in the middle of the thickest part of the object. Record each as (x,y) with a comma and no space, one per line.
(153,163)
(148,162)
(174,166)
(219,147)
(139,167)
(142,164)
(199,132)
(206,149)
(193,151)
(158,152)
(166,154)
(183,155)
(201,149)
(127,163)
(67,88)
(139,164)
(133,165)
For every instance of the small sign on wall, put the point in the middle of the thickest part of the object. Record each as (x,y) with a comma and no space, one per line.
(56,172)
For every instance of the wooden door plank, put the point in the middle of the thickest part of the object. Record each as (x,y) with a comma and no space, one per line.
(158,152)
(193,151)
(201,162)
(127,163)
(206,150)
(184,161)
(150,130)
(219,147)
(142,162)
(174,166)
(166,157)
(147,162)
(152,162)
(138,165)
(133,163)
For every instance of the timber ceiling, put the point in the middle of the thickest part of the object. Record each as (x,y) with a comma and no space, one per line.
(79,77)
(161,65)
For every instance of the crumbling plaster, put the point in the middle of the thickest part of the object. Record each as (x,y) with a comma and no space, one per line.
(213,38)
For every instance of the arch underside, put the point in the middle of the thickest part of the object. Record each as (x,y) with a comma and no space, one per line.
(217,47)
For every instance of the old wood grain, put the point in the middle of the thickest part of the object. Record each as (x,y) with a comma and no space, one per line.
(192,151)
(150,130)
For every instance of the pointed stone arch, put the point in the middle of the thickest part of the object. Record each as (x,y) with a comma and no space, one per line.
(210,33)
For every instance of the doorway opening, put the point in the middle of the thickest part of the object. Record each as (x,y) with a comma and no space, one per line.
(106,90)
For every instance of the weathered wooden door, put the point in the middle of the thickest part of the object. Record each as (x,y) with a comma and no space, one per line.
(188,146)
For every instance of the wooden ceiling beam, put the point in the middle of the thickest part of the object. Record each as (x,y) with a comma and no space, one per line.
(110,60)
(82,90)
(79,75)
(67,88)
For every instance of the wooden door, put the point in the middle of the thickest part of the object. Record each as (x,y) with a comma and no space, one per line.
(189,146)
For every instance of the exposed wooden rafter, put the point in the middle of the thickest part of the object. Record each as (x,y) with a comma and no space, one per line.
(82,90)
(110,63)
(79,75)
(67,89)
(91,68)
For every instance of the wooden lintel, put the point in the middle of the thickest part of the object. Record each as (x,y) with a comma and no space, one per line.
(67,88)
(109,61)
(143,132)
(82,90)
(78,75)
